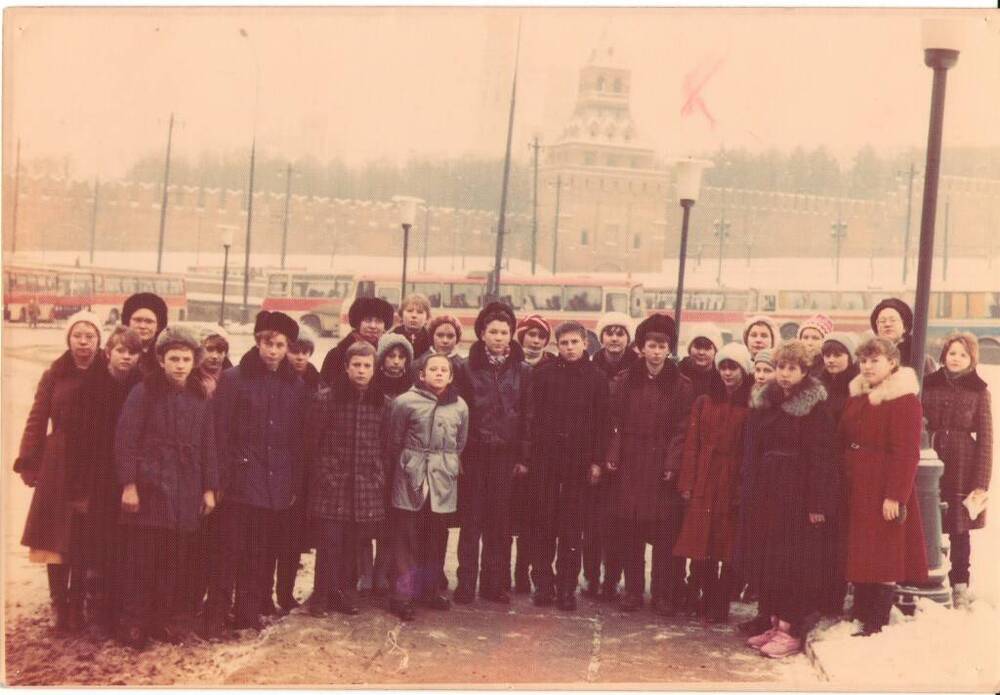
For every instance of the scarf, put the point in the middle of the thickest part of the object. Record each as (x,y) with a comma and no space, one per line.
(496,361)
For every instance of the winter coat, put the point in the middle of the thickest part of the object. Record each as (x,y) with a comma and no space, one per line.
(312,380)
(787,473)
(345,454)
(425,439)
(497,398)
(457,362)
(838,389)
(165,446)
(648,420)
(713,453)
(880,430)
(961,428)
(701,379)
(259,418)
(333,363)
(392,386)
(42,455)
(613,369)
(420,340)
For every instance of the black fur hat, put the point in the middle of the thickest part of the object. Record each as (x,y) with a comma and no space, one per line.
(656,323)
(146,300)
(364,307)
(495,308)
(276,321)
(899,305)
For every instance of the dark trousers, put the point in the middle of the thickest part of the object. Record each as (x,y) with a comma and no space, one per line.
(67,581)
(152,564)
(284,555)
(594,532)
(484,497)
(628,551)
(193,583)
(667,580)
(105,547)
(336,545)
(248,536)
(960,556)
(421,539)
(557,536)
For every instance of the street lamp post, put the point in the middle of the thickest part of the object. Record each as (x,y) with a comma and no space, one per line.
(838,230)
(721,231)
(227,241)
(689,173)
(288,202)
(163,202)
(407,214)
(555,224)
(909,209)
(534,205)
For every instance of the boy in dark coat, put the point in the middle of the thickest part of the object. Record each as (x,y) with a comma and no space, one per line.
(369,317)
(567,407)
(494,384)
(146,314)
(165,457)
(347,476)
(259,411)
(648,416)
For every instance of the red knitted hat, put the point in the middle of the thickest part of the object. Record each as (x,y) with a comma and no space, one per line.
(533,321)
(445,318)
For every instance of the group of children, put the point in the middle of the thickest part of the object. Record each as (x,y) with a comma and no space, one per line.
(173,481)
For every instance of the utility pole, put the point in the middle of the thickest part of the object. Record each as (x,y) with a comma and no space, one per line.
(947,213)
(17,183)
(93,219)
(163,202)
(427,231)
(555,226)
(494,291)
(721,231)
(534,207)
(288,198)
(909,208)
(838,230)
(245,317)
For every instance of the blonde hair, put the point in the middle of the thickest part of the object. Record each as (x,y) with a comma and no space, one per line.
(873,347)
(418,299)
(794,352)
(969,341)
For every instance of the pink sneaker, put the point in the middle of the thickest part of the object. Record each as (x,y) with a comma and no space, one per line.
(782,644)
(758,641)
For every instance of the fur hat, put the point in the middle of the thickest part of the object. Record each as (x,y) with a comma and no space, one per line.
(276,321)
(442,319)
(692,331)
(179,336)
(493,308)
(146,300)
(615,318)
(84,317)
(533,321)
(847,340)
(390,340)
(819,322)
(767,321)
(306,336)
(766,356)
(213,331)
(366,307)
(969,341)
(900,306)
(735,352)
(656,323)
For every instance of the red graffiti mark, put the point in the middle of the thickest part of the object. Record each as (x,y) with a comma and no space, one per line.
(694,83)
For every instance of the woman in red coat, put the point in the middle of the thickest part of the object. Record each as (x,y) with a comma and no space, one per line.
(880,431)
(709,478)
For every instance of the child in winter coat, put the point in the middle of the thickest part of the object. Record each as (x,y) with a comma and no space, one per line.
(812,333)
(709,479)
(393,374)
(446,333)
(347,476)
(787,491)
(369,318)
(567,407)
(533,334)
(215,360)
(957,407)
(761,333)
(166,461)
(428,428)
(704,340)
(614,330)
(415,312)
(880,435)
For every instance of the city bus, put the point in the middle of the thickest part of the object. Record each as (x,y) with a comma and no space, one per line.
(313,298)
(559,298)
(61,291)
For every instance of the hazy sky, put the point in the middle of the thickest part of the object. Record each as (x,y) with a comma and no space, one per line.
(98,85)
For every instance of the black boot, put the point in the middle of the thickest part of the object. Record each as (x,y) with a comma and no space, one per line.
(342,602)
(862,609)
(567,600)
(884,596)
(402,609)
(288,568)
(723,595)
(59,593)
(544,596)
(708,580)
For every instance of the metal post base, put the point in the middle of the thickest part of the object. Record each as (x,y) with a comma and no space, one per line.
(937,590)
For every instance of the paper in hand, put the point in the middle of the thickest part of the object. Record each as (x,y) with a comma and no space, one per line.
(975,503)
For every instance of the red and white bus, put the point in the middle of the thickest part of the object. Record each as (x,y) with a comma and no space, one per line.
(558,298)
(61,291)
(314,298)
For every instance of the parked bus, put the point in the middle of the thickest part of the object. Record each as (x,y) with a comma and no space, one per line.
(61,291)
(559,298)
(314,298)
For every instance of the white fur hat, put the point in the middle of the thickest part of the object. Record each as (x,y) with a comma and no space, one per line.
(738,353)
(615,318)
(84,317)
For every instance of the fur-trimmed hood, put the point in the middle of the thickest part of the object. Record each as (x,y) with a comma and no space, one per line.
(900,383)
(809,393)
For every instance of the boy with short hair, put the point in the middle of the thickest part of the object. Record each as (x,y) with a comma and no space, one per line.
(567,408)
(414,313)
(259,411)
(300,352)
(166,463)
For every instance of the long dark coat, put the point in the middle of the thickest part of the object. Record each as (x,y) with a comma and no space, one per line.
(259,417)
(420,340)
(165,446)
(333,363)
(713,454)
(838,389)
(648,420)
(787,473)
(880,432)
(345,454)
(43,454)
(961,427)
(613,369)
(701,379)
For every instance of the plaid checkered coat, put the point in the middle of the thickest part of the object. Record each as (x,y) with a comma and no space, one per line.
(344,454)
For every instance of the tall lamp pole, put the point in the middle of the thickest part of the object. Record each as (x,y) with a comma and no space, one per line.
(163,202)
(288,200)
(93,219)
(245,314)
(909,209)
(534,205)
(689,173)
(227,242)
(838,230)
(407,206)
(721,231)
(555,225)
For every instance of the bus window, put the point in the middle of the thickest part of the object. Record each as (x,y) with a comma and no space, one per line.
(389,293)
(175,287)
(736,301)
(511,295)
(852,301)
(636,307)
(432,290)
(977,305)
(659,300)
(466,295)
(130,285)
(616,301)
(277,286)
(161,287)
(579,298)
(542,298)
(994,305)
(959,305)
(75,285)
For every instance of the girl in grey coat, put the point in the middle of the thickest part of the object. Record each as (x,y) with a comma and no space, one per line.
(428,427)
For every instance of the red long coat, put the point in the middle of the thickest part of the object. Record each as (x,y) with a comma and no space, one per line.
(880,430)
(713,453)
